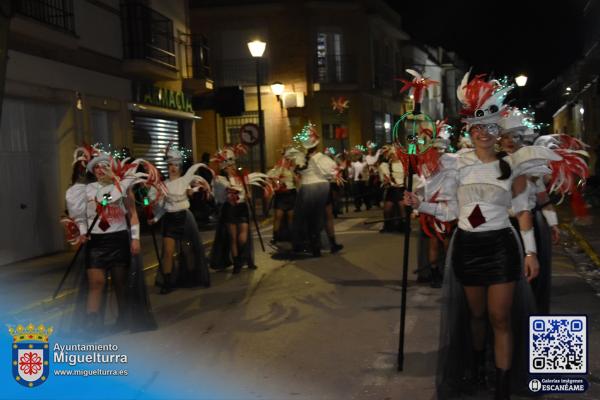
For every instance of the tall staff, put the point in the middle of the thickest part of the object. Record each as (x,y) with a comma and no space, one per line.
(251,203)
(418,85)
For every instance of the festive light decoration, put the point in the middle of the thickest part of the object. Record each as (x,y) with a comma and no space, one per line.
(340,104)
(330,151)
(359,149)
(307,133)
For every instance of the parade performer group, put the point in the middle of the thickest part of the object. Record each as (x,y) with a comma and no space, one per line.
(485,210)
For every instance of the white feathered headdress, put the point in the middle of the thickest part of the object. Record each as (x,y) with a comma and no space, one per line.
(483,101)
(513,123)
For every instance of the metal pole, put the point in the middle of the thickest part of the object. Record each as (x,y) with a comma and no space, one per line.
(405,274)
(409,185)
(260,119)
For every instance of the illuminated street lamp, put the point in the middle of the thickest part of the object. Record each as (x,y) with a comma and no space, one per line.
(521,80)
(257,49)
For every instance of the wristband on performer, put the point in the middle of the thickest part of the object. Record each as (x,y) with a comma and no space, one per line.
(135,232)
(551,217)
(529,242)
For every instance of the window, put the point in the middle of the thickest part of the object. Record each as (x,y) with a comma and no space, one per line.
(58,13)
(147,34)
(200,57)
(332,66)
(330,137)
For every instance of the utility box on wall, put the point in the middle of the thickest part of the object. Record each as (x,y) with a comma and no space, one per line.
(293,100)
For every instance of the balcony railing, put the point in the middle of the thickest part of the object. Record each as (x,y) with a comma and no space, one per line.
(147,35)
(242,72)
(57,13)
(335,69)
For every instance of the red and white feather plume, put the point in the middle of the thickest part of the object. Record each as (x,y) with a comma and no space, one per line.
(572,170)
(417,85)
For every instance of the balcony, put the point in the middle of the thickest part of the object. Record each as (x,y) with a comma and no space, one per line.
(198,78)
(335,69)
(148,43)
(57,13)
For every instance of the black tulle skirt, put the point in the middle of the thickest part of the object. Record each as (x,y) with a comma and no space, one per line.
(486,258)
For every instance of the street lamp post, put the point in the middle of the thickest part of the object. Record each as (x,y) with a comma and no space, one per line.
(257,49)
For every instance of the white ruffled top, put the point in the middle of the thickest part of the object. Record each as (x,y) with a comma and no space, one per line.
(465,182)
(82,201)
(320,169)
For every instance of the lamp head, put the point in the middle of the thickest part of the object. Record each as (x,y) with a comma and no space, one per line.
(257,48)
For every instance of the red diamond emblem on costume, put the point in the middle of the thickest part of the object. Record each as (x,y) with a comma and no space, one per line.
(476,218)
(104,225)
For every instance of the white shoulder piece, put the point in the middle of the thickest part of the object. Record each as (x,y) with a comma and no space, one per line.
(444,183)
(532,160)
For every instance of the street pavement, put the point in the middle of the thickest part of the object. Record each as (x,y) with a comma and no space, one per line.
(322,328)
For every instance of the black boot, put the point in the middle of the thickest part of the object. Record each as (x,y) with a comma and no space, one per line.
(502,384)
(237,265)
(436,277)
(334,246)
(166,286)
(479,376)
(316,250)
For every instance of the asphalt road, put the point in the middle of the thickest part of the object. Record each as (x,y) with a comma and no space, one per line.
(322,328)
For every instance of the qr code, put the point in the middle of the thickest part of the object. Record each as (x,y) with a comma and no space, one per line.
(558,344)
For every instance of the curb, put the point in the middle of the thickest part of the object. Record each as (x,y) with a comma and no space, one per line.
(49,301)
(582,243)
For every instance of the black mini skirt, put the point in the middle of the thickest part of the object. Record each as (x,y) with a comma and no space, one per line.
(285,201)
(235,214)
(486,258)
(108,250)
(174,224)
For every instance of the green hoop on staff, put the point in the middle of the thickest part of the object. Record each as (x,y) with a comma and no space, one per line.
(411,147)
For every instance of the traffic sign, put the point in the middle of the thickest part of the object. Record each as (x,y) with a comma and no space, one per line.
(250,134)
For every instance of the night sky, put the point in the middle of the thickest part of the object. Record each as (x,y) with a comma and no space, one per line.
(538,38)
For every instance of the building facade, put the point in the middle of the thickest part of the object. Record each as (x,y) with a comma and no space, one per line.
(91,71)
(319,50)
(573,97)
